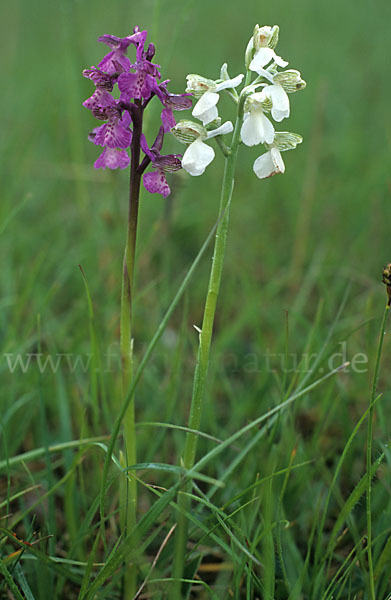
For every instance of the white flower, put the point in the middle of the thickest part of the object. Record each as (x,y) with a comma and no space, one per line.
(205,109)
(271,162)
(257,128)
(198,154)
(288,81)
(263,42)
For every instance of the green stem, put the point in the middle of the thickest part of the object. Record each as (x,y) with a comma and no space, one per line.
(205,338)
(369,453)
(126,342)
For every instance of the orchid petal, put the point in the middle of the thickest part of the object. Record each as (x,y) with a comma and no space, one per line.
(113,135)
(269,164)
(261,58)
(280,109)
(168,119)
(257,129)
(113,159)
(279,61)
(156,183)
(230,83)
(205,109)
(226,127)
(197,157)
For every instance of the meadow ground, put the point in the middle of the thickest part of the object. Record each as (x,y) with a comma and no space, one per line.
(301,294)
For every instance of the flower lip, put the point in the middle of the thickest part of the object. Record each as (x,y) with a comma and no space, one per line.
(100,101)
(197,157)
(205,109)
(113,159)
(256,129)
(269,164)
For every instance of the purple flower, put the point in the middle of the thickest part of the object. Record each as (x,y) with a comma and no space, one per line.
(113,159)
(156,182)
(116,60)
(115,133)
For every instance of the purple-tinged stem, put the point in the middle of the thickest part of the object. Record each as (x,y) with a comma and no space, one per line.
(126,341)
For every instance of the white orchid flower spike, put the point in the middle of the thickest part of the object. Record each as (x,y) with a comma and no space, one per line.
(208,92)
(263,101)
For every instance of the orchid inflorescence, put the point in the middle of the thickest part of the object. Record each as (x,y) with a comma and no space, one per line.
(138,83)
(268,93)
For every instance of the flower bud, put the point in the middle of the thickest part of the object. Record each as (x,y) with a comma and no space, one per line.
(265,37)
(284,140)
(198,85)
(150,52)
(188,131)
(290,80)
(224,72)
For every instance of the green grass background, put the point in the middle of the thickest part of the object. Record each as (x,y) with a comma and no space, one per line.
(296,242)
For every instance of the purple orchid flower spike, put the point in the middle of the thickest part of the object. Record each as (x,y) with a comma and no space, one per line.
(138,83)
(124,87)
